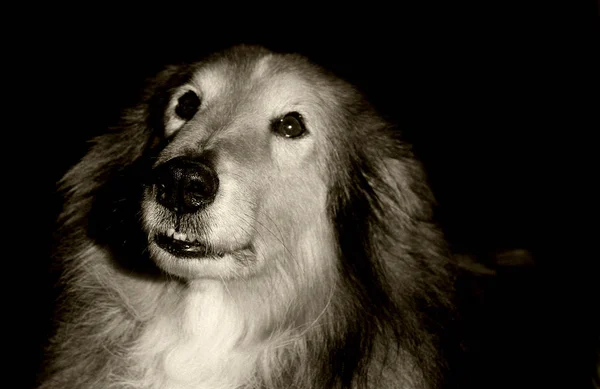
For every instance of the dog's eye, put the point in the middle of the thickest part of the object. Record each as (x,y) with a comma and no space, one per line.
(290,126)
(187,105)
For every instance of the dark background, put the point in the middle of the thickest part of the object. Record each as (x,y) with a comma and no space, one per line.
(491,98)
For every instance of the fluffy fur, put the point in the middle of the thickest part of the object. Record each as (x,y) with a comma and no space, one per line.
(347,283)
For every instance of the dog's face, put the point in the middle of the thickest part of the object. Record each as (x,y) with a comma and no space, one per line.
(241,180)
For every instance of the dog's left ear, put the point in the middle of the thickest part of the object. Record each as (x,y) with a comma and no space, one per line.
(404,186)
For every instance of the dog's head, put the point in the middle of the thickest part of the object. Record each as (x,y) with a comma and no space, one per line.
(262,167)
(254,157)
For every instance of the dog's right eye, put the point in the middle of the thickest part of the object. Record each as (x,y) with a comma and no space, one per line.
(187,105)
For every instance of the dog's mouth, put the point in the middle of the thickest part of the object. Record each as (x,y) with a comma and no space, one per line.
(182,245)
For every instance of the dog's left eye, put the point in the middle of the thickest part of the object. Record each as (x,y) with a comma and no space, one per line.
(290,126)
(187,105)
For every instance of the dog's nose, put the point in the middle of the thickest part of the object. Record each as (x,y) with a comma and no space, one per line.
(185,185)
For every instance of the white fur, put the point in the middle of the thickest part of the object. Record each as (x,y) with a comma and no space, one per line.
(196,344)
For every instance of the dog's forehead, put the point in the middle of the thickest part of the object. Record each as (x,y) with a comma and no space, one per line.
(262,67)
(268,78)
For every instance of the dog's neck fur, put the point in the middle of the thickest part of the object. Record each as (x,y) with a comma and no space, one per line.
(205,333)
(203,341)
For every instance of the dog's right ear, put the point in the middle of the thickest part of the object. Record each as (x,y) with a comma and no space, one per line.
(142,122)
(158,92)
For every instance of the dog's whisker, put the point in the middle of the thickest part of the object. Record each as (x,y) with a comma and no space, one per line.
(278,237)
(225,286)
(274,224)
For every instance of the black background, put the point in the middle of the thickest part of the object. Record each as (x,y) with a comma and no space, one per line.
(491,98)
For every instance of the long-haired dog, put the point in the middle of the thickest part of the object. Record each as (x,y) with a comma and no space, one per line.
(252,223)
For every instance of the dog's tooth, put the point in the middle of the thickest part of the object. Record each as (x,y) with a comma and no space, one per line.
(170,232)
(191,238)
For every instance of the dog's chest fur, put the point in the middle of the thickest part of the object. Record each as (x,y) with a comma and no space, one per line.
(201,342)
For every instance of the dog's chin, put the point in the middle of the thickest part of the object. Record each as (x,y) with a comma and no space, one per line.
(195,260)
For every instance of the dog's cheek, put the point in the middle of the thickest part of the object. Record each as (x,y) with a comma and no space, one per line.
(291,222)
(295,183)
(296,197)
(292,154)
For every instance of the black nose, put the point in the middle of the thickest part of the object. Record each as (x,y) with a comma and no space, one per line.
(185,185)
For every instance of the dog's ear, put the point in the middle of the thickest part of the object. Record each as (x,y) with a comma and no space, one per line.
(403,211)
(159,91)
(395,175)
(404,186)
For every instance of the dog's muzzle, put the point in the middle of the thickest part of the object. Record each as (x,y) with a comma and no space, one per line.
(185,185)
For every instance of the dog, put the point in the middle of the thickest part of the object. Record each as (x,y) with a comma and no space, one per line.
(251,223)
